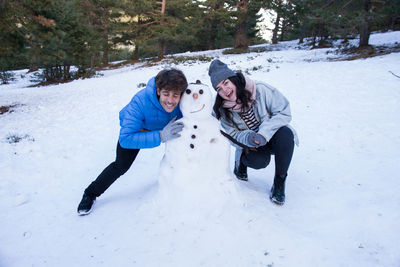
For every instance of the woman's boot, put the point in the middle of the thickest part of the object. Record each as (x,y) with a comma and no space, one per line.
(240,170)
(277,194)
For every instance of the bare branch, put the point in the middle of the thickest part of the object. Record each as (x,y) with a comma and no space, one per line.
(394,74)
(328,4)
(348,3)
(149,23)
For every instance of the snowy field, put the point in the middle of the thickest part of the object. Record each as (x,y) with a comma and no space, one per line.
(342,199)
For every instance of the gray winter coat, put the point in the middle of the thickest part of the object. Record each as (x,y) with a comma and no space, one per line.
(270,107)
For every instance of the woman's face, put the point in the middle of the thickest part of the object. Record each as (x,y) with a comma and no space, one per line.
(227,90)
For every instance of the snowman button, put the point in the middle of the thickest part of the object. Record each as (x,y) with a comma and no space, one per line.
(193,136)
(195,126)
(191,146)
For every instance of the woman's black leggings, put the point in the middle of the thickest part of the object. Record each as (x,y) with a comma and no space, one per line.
(121,165)
(281,145)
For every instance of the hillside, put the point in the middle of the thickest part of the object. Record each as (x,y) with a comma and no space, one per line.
(342,206)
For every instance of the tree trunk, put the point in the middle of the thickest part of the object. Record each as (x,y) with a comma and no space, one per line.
(393,22)
(94,59)
(322,35)
(65,73)
(161,42)
(213,28)
(212,36)
(241,40)
(276,29)
(33,66)
(302,33)
(314,35)
(136,52)
(211,42)
(283,30)
(105,45)
(365,27)
(138,31)
(161,48)
(364,34)
(392,16)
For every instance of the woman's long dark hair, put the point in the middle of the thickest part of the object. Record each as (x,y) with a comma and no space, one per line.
(243,97)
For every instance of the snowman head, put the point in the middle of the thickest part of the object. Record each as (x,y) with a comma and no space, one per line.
(196,101)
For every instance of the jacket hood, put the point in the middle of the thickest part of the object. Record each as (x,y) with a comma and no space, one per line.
(151,92)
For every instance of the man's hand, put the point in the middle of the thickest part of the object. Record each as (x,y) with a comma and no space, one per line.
(171,130)
(254,139)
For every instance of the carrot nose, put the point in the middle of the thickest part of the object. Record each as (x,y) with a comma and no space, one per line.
(195,96)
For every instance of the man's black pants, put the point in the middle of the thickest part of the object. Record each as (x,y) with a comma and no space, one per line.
(121,165)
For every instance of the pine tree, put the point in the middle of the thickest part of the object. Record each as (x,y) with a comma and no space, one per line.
(172,17)
(207,25)
(323,19)
(13,44)
(152,25)
(135,26)
(245,12)
(277,6)
(216,19)
(54,35)
(103,18)
(23,17)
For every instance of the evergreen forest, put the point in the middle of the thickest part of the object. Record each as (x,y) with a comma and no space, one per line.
(69,39)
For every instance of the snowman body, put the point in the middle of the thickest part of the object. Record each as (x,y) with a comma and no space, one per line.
(195,168)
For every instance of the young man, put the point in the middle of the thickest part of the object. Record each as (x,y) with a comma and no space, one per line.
(146,121)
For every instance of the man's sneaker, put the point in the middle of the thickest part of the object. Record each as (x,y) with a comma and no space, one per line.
(277,194)
(240,171)
(86,205)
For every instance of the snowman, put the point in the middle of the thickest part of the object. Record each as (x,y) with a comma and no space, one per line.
(195,171)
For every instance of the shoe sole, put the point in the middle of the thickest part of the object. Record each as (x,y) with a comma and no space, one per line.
(279,203)
(242,178)
(239,177)
(274,200)
(83,213)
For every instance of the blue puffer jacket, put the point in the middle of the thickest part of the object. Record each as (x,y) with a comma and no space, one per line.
(143,118)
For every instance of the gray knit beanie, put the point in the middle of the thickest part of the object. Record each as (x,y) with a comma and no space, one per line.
(218,72)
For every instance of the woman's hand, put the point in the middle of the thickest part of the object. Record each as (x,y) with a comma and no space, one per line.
(254,139)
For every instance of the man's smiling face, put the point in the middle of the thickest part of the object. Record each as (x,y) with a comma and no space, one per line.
(168,99)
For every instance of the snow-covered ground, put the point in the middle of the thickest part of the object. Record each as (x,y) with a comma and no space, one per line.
(343,200)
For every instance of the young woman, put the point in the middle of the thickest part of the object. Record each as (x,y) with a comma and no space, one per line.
(257,116)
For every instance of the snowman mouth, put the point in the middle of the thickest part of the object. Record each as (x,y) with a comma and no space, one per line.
(199,109)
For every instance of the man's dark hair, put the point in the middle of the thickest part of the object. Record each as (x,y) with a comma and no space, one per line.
(171,79)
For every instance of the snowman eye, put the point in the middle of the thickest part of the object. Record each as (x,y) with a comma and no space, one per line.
(201,91)
(188,91)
